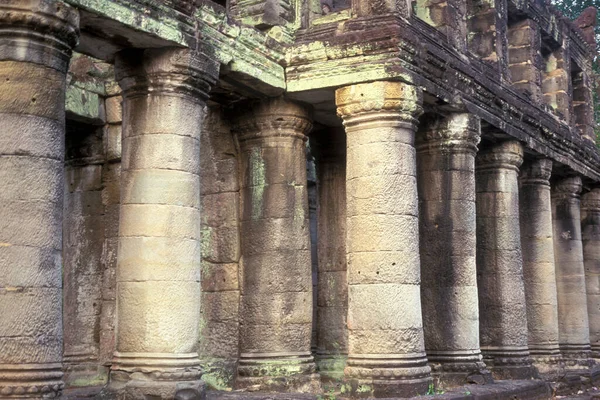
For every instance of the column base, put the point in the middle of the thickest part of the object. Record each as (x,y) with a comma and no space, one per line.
(219,373)
(278,372)
(457,368)
(331,366)
(31,381)
(576,358)
(388,376)
(161,376)
(547,361)
(509,363)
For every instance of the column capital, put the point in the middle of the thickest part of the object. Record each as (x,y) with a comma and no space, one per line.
(273,118)
(536,172)
(507,154)
(457,131)
(39,31)
(590,201)
(384,100)
(569,187)
(168,71)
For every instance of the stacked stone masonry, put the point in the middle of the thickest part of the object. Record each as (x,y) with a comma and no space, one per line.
(387,200)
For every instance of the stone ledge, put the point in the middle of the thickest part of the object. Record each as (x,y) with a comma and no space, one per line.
(522,390)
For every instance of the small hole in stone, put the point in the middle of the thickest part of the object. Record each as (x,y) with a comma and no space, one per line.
(377,272)
(359,272)
(393,263)
(33,99)
(7,79)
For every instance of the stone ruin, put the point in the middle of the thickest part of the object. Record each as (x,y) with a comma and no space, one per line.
(375,198)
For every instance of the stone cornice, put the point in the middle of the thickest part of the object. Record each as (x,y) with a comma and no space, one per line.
(390,48)
(173,71)
(503,155)
(39,31)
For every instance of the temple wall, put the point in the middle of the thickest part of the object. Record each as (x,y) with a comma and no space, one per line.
(83,234)
(219,186)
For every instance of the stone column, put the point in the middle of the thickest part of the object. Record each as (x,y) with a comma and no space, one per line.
(502,305)
(158,262)
(538,266)
(385,340)
(590,235)
(446,169)
(37,38)
(332,287)
(276,299)
(573,323)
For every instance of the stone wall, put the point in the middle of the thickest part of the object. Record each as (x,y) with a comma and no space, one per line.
(83,240)
(219,326)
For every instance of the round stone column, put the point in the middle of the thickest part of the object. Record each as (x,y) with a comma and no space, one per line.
(446,150)
(386,348)
(573,322)
(502,305)
(158,263)
(332,286)
(538,266)
(590,235)
(276,300)
(37,38)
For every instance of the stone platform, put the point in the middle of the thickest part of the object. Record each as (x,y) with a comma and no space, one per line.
(500,390)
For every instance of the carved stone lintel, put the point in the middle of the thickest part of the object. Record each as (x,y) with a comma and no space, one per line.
(508,154)
(273,118)
(379,101)
(40,32)
(169,71)
(456,132)
(536,172)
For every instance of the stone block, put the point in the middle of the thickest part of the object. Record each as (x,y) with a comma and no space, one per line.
(219,339)
(221,244)
(271,308)
(112,142)
(178,116)
(380,158)
(159,186)
(220,306)
(36,224)
(280,200)
(158,259)
(217,277)
(161,151)
(278,338)
(159,221)
(114,109)
(272,270)
(379,232)
(383,194)
(147,321)
(30,179)
(384,307)
(220,208)
(18,260)
(264,235)
(37,136)
(384,267)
